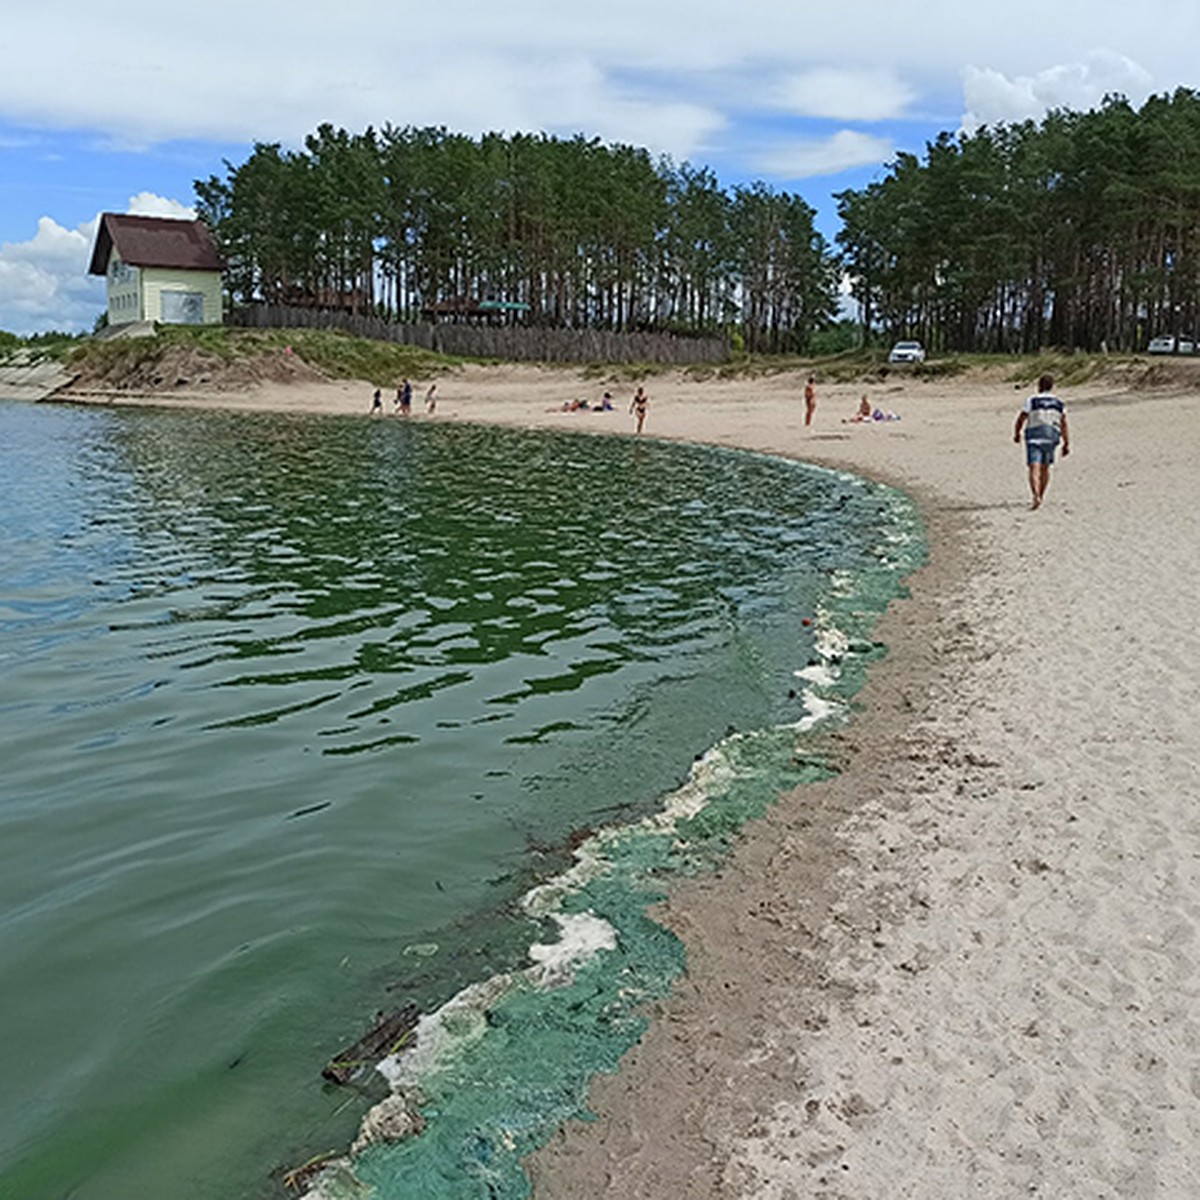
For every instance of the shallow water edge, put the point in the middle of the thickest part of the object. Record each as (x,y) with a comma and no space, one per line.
(498,1069)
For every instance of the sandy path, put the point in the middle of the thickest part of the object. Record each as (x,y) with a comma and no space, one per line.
(967,966)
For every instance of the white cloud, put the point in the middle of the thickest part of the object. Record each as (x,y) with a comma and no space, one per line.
(992,97)
(845,95)
(847,148)
(573,94)
(663,70)
(147,204)
(44,282)
(530,69)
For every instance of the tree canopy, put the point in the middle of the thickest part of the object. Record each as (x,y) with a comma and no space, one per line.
(587,235)
(1082,230)
(1079,231)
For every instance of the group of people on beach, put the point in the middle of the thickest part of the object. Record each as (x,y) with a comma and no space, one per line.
(864,413)
(638,406)
(604,404)
(1042,420)
(402,404)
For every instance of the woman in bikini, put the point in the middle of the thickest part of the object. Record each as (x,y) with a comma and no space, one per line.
(640,403)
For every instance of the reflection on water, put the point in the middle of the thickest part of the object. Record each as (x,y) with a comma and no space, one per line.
(285,696)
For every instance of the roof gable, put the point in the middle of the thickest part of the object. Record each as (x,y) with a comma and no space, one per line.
(154,242)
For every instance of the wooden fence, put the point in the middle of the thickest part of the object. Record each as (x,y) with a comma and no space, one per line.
(513,343)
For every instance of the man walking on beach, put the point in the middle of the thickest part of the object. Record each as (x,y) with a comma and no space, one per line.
(810,400)
(1044,420)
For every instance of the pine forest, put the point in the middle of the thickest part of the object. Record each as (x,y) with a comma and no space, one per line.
(1081,231)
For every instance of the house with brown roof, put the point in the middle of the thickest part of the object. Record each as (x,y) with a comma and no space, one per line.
(158,269)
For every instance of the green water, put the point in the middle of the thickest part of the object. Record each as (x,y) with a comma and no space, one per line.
(296,710)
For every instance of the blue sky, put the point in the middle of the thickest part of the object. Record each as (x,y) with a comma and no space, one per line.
(100,112)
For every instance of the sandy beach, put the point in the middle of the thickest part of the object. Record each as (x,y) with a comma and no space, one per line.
(969,964)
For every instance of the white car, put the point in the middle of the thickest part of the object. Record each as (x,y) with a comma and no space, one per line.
(1166,345)
(907,352)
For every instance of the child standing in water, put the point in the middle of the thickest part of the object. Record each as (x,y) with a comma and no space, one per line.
(638,407)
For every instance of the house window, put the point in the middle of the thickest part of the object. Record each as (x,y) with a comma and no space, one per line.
(183,308)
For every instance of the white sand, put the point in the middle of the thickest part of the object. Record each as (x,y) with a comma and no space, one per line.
(969,965)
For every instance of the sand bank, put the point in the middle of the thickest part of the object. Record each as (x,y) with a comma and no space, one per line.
(968,965)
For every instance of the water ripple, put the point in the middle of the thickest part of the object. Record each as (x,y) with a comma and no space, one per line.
(444,645)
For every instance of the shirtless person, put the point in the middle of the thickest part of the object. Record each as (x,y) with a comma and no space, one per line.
(861,414)
(810,400)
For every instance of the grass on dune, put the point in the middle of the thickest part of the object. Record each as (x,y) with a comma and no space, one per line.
(336,355)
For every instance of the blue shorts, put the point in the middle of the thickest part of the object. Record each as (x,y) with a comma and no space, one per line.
(1040,452)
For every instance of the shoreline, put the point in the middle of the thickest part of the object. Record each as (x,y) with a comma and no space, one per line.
(929,976)
(761,964)
(965,964)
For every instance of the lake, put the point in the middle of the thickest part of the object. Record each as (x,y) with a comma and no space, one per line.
(298,712)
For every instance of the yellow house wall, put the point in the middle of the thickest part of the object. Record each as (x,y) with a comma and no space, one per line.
(156,280)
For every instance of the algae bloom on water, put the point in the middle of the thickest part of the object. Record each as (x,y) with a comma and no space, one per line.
(305,718)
